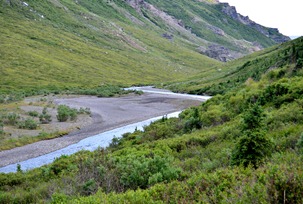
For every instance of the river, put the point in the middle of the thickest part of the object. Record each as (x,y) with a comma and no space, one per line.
(99,140)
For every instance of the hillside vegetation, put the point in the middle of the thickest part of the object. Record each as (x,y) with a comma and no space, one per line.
(52,44)
(55,45)
(233,74)
(244,146)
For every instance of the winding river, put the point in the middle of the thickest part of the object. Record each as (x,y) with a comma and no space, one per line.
(100,140)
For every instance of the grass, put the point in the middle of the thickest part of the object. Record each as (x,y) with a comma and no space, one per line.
(65,50)
(11,143)
(196,157)
(58,45)
(235,73)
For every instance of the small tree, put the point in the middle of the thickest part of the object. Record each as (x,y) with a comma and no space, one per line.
(253,146)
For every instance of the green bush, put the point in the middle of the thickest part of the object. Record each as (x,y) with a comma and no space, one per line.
(65,113)
(28,123)
(253,147)
(45,118)
(33,113)
(12,118)
(142,172)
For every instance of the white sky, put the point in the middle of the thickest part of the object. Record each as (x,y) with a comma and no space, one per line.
(287,16)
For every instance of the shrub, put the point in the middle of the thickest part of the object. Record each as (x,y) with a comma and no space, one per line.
(33,113)
(251,149)
(300,143)
(28,123)
(65,112)
(45,118)
(2,99)
(254,146)
(142,172)
(13,118)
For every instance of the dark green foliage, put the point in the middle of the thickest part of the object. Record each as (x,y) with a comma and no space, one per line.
(253,147)
(192,120)
(253,118)
(142,172)
(19,170)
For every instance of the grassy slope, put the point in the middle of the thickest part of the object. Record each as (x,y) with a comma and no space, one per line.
(59,44)
(189,159)
(210,14)
(236,72)
(87,44)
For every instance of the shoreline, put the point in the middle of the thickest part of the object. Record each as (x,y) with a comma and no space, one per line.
(107,114)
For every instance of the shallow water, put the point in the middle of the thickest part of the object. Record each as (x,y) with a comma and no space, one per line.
(100,140)
(90,143)
(150,89)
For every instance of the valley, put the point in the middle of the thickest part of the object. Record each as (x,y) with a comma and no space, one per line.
(63,67)
(106,114)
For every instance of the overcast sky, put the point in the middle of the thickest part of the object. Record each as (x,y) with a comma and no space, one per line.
(287,16)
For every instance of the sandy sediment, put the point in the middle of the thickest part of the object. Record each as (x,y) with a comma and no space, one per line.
(107,114)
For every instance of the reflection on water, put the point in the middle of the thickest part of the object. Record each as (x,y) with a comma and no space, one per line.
(90,143)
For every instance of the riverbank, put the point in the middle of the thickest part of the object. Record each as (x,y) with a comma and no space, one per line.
(107,114)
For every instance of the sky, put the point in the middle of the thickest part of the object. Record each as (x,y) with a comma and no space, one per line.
(287,15)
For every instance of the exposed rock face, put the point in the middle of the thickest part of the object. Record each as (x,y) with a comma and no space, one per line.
(272,33)
(218,52)
(208,46)
(136,4)
(216,30)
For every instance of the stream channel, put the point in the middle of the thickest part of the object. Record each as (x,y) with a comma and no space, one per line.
(101,140)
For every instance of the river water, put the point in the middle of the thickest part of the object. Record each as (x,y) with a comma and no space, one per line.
(100,140)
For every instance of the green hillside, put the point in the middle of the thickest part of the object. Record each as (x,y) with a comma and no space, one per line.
(233,74)
(244,146)
(62,44)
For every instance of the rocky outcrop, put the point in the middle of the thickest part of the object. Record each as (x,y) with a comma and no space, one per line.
(180,27)
(136,4)
(216,30)
(218,52)
(272,33)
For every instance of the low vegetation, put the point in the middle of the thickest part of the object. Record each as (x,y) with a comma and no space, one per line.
(244,146)
(14,120)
